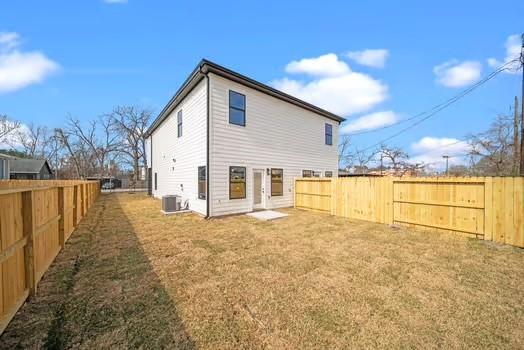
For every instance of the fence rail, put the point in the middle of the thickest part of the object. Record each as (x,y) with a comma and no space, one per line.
(490,208)
(36,219)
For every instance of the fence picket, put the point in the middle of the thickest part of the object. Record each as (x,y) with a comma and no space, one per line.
(489,208)
(37,218)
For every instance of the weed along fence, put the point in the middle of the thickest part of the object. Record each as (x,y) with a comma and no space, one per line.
(490,208)
(36,219)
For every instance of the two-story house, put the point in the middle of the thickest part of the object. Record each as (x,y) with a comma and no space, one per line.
(228,144)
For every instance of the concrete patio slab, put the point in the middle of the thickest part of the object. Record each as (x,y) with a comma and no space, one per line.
(266,215)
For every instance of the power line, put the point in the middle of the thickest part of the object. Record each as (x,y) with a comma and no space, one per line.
(444,105)
(498,70)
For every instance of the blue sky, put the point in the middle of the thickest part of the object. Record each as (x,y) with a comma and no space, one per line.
(84,57)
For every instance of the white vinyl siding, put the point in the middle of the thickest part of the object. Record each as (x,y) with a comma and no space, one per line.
(277,135)
(176,159)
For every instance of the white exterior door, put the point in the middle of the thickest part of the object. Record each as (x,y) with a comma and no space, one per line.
(258,188)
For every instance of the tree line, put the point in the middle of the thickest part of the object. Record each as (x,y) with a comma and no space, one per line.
(115,142)
(102,146)
(493,152)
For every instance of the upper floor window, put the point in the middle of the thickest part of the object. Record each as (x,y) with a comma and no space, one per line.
(306,173)
(316,173)
(237,108)
(328,174)
(179,123)
(328,131)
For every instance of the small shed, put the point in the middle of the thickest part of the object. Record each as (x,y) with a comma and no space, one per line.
(29,169)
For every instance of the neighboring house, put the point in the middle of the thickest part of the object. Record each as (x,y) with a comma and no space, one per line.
(228,144)
(29,169)
(4,166)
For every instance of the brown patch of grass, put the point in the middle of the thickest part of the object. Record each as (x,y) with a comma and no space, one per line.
(306,281)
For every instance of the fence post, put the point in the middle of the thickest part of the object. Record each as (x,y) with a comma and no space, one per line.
(75,206)
(295,193)
(88,202)
(61,212)
(488,208)
(333,188)
(82,200)
(28,214)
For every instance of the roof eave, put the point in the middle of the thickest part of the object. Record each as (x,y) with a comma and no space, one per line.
(181,93)
(205,66)
(212,67)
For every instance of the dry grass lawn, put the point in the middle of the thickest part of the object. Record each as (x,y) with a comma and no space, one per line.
(132,278)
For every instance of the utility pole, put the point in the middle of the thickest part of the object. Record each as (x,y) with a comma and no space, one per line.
(522,110)
(447,168)
(516,143)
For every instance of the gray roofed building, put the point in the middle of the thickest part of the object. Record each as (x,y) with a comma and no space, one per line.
(25,169)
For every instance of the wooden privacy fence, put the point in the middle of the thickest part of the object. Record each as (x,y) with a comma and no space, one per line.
(490,208)
(36,219)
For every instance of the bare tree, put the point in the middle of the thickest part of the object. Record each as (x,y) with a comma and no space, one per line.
(100,137)
(72,156)
(344,155)
(131,123)
(360,159)
(394,155)
(493,148)
(459,170)
(31,140)
(7,126)
(411,169)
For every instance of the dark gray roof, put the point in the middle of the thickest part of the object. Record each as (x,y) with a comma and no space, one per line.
(206,66)
(31,166)
(3,155)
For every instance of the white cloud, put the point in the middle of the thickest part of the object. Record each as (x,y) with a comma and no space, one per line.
(375,58)
(20,69)
(513,47)
(115,1)
(429,150)
(322,66)
(457,74)
(370,121)
(334,87)
(493,62)
(8,41)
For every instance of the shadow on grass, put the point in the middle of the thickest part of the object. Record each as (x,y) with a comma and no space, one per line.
(100,292)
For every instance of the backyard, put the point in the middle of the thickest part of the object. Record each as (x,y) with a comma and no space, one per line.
(131,277)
